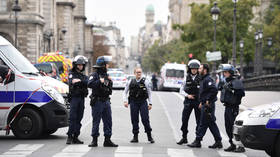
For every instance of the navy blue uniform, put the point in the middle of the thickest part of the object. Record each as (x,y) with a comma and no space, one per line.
(100,103)
(190,87)
(77,93)
(208,92)
(231,95)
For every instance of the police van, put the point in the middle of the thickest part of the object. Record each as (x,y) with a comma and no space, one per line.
(172,76)
(30,104)
(259,128)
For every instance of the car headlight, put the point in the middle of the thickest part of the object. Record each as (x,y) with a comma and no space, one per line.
(53,93)
(266,112)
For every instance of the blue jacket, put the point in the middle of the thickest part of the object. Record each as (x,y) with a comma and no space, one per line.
(208,90)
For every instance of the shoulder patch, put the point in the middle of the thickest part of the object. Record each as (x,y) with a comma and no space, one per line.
(91,77)
(70,76)
(210,83)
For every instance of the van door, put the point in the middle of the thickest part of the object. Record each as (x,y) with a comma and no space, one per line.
(7,93)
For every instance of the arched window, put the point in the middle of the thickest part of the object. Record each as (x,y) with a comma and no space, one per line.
(3,5)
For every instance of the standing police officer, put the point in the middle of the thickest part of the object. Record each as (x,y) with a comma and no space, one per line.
(101,86)
(190,90)
(231,95)
(139,92)
(77,93)
(207,98)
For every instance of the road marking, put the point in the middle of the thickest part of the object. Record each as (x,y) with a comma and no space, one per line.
(175,133)
(180,152)
(124,151)
(73,150)
(230,154)
(224,137)
(22,150)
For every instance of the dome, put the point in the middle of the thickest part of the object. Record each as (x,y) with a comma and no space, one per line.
(150,8)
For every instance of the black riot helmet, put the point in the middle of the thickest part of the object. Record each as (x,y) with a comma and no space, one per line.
(79,60)
(101,61)
(227,67)
(193,64)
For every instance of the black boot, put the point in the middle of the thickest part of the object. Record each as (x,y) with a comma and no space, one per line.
(231,148)
(69,139)
(77,141)
(196,144)
(135,138)
(150,138)
(109,143)
(94,142)
(217,144)
(184,140)
(239,150)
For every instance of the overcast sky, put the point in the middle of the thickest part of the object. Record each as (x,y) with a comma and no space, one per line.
(128,14)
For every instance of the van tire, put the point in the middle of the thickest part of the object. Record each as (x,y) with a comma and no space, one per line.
(28,124)
(276,152)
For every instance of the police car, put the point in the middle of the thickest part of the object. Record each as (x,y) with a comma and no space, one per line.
(30,104)
(118,78)
(259,128)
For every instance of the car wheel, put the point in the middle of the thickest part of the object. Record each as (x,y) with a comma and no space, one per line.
(28,124)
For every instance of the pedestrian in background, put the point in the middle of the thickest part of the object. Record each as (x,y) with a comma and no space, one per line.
(101,85)
(190,90)
(77,93)
(139,91)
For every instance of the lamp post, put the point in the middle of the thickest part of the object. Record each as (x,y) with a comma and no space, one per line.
(215,11)
(260,57)
(234,34)
(256,54)
(16,8)
(241,45)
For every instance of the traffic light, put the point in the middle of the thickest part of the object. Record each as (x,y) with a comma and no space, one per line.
(190,55)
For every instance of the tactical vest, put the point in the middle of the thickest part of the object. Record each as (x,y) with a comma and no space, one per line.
(227,94)
(192,86)
(138,90)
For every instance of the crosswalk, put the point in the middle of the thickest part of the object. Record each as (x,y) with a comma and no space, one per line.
(25,150)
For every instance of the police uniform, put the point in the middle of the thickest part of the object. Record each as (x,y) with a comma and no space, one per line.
(139,92)
(77,93)
(231,95)
(208,92)
(101,105)
(189,87)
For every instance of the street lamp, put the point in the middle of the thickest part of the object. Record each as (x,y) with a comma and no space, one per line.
(16,8)
(269,41)
(256,54)
(241,45)
(215,11)
(234,33)
(260,57)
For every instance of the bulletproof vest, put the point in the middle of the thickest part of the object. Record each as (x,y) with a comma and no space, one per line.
(227,94)
(192,86)
(138,90)
(106,88)
(78,89)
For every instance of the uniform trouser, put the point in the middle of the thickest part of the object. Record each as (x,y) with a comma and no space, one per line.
(101,110)
(141,107)
(208,121)
(188,107)
(77,107)
(230,115)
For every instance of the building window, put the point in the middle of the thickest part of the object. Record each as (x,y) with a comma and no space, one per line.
(3,5)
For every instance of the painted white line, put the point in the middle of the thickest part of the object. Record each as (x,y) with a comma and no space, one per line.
(230,154)
(224,137)
(175,133)
(129,150)
(73,150)
(180,152)
(22,150)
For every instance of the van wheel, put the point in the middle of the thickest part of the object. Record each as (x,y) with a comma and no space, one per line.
(276,152)
(28,124)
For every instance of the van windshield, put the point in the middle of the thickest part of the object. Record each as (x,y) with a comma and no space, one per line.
(17,59)
(175,73)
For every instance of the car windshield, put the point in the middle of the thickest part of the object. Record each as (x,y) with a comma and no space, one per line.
(116,74)
(17,59)
(175,73)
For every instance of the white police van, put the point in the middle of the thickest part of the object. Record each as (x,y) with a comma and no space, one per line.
(259,128)
(172,76)
(29,104)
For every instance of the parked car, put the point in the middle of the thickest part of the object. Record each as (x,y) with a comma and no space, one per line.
(118,78)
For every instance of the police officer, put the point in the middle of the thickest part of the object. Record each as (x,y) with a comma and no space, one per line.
(155,81)
(139,92)
(101,86)
(231,95)
(77,93)
(207,98)
(190,90)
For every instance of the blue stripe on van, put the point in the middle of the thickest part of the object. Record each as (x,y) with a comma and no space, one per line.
(21,96)
(273,124)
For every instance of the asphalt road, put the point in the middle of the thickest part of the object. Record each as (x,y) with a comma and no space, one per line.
(165,120)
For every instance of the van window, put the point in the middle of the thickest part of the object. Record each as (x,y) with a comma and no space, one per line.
(175,73)
(59,65)
(17,59)
(47,68)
